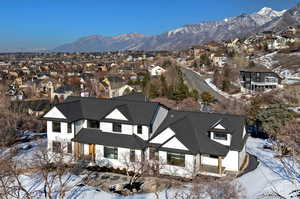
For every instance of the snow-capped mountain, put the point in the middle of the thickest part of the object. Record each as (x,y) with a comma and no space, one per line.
(188,35)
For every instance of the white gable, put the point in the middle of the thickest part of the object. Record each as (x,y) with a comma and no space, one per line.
(116,115)
(55,113)
(163,136)
(219,126)
(174,143)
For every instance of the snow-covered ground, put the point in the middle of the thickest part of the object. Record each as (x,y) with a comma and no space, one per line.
(210,83)
(266,60)
(268,176)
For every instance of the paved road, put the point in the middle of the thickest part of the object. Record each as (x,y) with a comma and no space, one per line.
(197,82)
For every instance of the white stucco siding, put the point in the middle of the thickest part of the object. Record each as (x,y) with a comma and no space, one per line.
(231,161)
(106,126)
(224,142)
(186,171)
(163,136)
(127,129)
(145,132)
(116,115)
(219,126)
(206,160)
(159,118)
(54,113)
(174,143)
(63,135)
(123,157)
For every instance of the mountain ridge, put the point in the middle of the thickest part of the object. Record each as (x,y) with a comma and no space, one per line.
(188,35)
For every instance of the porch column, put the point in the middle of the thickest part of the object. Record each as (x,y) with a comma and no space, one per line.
(220,165)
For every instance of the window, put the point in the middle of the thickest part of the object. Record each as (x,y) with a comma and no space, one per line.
(69,127)
(56,147)
(140,129)
(69,147)
(117,127)
(56,127)
(153,154)
(94,124)
(220,136)
(132,155)
(176,159)
(111,152)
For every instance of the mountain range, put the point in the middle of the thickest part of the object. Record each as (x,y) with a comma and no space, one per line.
(189,35)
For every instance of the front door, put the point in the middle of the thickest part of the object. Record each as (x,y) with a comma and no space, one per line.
(92,151)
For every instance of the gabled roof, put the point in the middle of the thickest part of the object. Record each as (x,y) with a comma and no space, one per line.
(96,136)
(138,112)
(191,129)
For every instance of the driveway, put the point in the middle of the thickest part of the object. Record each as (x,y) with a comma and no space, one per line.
(198,82)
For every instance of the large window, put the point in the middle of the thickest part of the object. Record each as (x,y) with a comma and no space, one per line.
(69,147)
(176,159)
(117,127)
(132,155)
(56,147)
(111,152)
(69,127)
(94,124)
(220,136)
(56,127)
(140,129)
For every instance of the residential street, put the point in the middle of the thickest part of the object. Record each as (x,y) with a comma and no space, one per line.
(197,82)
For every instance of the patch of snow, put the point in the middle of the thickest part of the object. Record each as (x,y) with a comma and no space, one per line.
(269,175)
(210,83)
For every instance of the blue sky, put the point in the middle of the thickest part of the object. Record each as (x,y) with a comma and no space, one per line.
(49,23)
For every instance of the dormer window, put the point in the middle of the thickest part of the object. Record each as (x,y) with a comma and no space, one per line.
(140,129)
(220,136)
(94,124)
(117,127)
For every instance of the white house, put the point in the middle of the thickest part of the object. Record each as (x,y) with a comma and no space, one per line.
(156,70)
(109,132)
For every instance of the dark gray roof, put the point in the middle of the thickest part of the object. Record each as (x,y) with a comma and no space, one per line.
(133,97)
(64,88)
(191,128)
(137,112)
(96,136)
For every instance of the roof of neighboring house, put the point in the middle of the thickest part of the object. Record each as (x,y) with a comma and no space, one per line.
(64,88)
(191,129)
(115,79)
(257,69)
(34,105)
(96,136)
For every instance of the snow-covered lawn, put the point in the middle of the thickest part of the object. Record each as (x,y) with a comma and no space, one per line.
(269,175)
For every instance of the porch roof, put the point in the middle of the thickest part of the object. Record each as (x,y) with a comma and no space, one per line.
(96,136)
